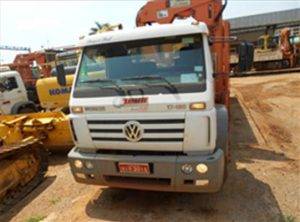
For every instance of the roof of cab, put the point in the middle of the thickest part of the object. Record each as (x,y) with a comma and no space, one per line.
(9,73)
(145,32)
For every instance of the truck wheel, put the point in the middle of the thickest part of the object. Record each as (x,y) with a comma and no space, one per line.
(24,107)
(27,110)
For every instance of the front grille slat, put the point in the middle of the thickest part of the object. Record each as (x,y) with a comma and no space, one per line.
(106,130)
(164,130)
(145,121)
(142,140)
(155,130)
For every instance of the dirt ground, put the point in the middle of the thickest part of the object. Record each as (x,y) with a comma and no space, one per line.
(263,182)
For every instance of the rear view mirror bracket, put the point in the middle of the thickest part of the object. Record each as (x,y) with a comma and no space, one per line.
(61,75)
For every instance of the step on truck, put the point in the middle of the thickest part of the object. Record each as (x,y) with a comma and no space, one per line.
(149,106)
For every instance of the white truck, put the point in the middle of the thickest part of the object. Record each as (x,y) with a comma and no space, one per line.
(143,112)
(13,94)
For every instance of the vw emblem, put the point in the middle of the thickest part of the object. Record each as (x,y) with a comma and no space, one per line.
(133,131)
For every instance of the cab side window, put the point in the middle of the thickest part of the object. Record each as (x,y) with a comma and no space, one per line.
(11,83)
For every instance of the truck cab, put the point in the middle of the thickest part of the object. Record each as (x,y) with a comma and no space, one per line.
(12,91)
(143,112)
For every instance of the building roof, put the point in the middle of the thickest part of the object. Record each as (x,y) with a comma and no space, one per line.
(268,19)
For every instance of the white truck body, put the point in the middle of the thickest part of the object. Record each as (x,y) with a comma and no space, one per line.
(171,135)
(12,92)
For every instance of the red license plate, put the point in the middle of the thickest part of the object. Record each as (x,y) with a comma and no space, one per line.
(135,168)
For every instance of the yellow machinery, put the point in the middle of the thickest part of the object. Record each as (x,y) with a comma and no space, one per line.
(267,42)
(51,94)
(24,140)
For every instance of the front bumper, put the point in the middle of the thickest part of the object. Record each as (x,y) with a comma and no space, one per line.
(166,173)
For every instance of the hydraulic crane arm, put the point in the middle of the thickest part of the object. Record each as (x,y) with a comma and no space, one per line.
(286,47)
(165,11)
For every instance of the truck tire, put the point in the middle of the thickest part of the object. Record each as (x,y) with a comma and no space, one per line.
(222,133)
(32,94)
(24,107)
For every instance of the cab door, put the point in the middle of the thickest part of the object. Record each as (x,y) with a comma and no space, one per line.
(12,91)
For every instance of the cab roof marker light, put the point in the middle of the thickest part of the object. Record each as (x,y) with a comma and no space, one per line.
(77,109)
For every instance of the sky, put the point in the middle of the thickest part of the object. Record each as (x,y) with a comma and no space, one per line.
(37,24)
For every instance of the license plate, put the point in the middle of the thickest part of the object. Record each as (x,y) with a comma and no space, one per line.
(134,168)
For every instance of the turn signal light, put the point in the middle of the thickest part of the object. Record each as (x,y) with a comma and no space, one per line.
(77,109)
(187,168)
(197,106)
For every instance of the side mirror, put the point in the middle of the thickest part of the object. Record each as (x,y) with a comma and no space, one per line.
(61,75)
(246,56)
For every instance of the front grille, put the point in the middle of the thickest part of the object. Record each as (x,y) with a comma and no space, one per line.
(154,130)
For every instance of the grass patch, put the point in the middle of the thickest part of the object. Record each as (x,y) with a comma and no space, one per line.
(36,218)
(289,218)
(55,200)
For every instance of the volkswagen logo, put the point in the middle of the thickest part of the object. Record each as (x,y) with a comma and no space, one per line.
(133,131)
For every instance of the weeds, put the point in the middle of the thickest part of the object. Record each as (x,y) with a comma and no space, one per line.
(35,218)
(55,200)
(289,218)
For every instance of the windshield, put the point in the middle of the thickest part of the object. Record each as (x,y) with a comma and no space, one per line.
(166,65)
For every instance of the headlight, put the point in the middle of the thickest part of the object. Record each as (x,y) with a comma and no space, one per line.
(202,168)
(78,164)
(187,168)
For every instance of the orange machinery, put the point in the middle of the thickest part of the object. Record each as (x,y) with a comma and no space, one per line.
(289,50)
(207,11)
(33,66)
(25,64)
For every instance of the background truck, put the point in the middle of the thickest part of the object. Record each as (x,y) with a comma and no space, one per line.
(13,94)
(33,66)
(149,107)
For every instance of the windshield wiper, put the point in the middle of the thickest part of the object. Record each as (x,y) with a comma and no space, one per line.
(169,86)
(117,87)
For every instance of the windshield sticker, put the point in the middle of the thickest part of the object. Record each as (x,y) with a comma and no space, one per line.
(188,40)
(198,68)
(189,78)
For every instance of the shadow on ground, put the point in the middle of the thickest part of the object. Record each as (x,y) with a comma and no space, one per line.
(29,198)
(58,158)
(243,197)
